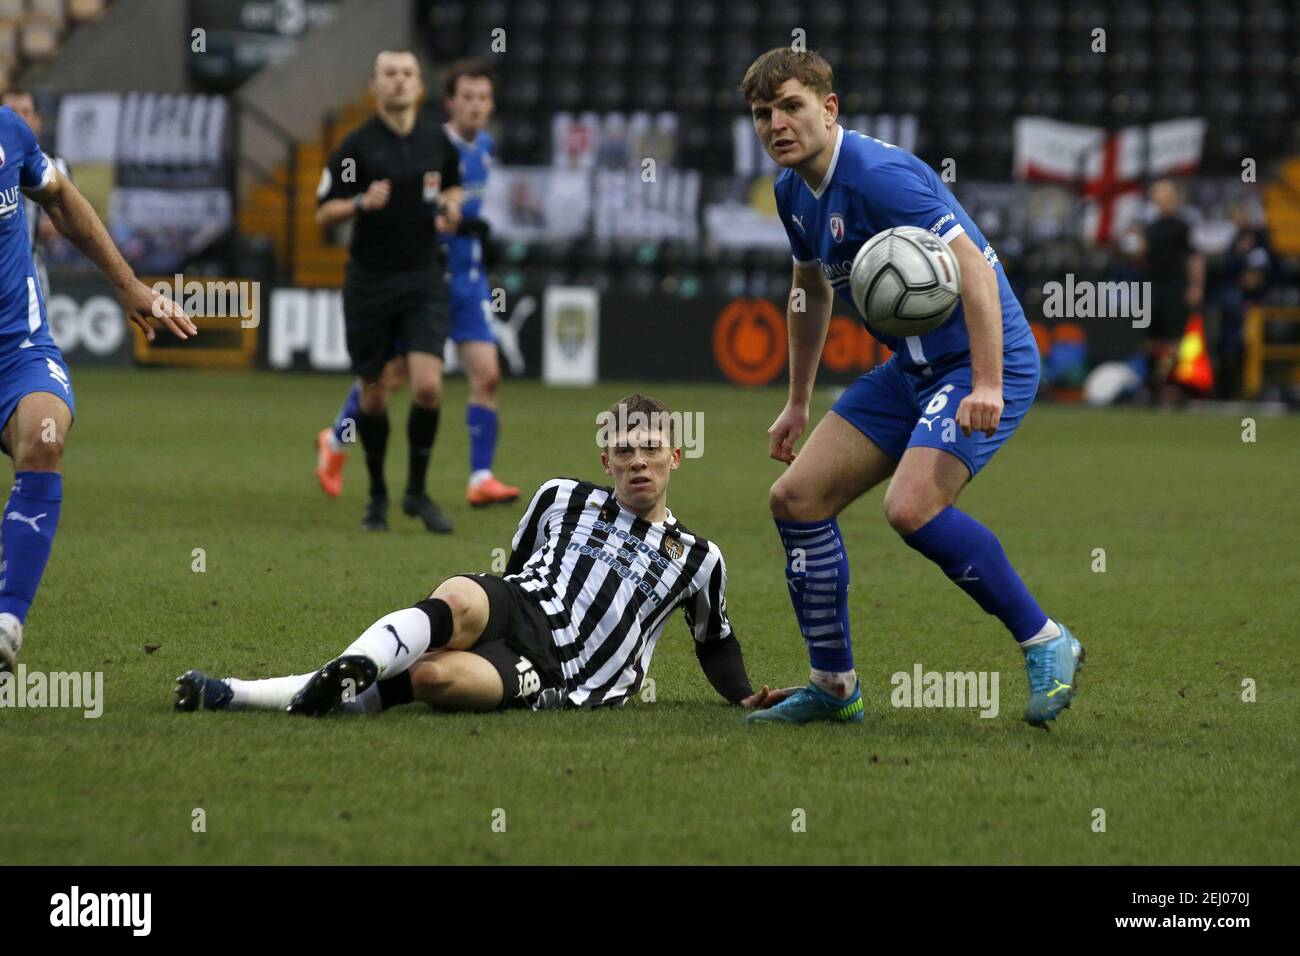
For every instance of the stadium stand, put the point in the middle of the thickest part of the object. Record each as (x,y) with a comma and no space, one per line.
(32,31)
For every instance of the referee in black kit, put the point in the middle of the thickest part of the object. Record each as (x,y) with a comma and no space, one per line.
(398,176)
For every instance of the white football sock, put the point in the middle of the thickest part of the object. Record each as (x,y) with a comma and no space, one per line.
(395,641)
(839,683)
(1051,630)
(480,476)
(273,693)
(334,443)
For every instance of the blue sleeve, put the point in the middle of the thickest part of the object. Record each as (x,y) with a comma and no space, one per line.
(899,194)
(35,169)
(798,243)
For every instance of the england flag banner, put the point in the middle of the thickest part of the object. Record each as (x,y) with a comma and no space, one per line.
(1108,167)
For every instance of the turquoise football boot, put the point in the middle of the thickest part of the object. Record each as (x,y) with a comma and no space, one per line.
(812,703)
(1053,667)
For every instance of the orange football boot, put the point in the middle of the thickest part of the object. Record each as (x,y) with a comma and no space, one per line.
(490,491)
(329,464)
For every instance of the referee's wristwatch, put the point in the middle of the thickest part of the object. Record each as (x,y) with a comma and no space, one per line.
(358,203)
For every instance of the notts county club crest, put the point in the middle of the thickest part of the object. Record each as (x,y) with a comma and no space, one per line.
(837,227)
(572,329)
(672,546)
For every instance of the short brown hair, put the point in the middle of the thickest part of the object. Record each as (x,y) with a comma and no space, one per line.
(641,405)
(468,67)
(766,74)
(374,65)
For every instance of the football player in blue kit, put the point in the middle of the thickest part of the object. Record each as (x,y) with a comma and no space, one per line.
(928,419)
(469,106)
(36,399)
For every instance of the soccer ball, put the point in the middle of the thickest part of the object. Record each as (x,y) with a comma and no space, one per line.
(905,281)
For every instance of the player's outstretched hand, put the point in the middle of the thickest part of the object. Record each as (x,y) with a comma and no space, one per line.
(141,303)
(785,431)
(980,411)
(767,697)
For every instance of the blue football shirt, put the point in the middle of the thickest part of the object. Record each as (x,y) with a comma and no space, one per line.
(464,253)
(869,187)
(22,306)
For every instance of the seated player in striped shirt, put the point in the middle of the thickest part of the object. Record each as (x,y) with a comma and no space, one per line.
(593,576)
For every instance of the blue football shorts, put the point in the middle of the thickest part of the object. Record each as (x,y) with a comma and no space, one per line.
(901,408)
(470,310)
(39,369)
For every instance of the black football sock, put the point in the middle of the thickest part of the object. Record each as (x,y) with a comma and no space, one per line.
(373,432)
(421,430)
(395,691)
(441,623)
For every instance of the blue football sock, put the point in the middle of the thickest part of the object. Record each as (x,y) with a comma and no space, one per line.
(26,534)
(817,571)
(348,413)
(482,424)
(971,556)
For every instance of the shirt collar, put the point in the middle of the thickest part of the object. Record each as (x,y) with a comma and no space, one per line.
(830,170)
(455,137)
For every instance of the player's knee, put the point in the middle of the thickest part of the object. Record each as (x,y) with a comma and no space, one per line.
(426,677)
(791,503)
(907,513)
(39,451)
(427,394)
(373,398)
(486,382)
(394,376)
(454,595)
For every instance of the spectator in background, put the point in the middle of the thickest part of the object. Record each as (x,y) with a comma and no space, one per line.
(1245,280)
(1177,276)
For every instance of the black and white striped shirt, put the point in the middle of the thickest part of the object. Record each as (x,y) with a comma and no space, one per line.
(608,581)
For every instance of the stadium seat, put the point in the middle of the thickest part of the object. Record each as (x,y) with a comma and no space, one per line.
(606,91)
(909,15)
(532,50)
(613,51)
(39,38)
(52,11)
(530,15)
(699,16)
(613,15)
(953,19)
(566,91)
(573,15)
(652,53)
(569,49)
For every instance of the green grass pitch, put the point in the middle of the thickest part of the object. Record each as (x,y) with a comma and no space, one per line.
(1199,593)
